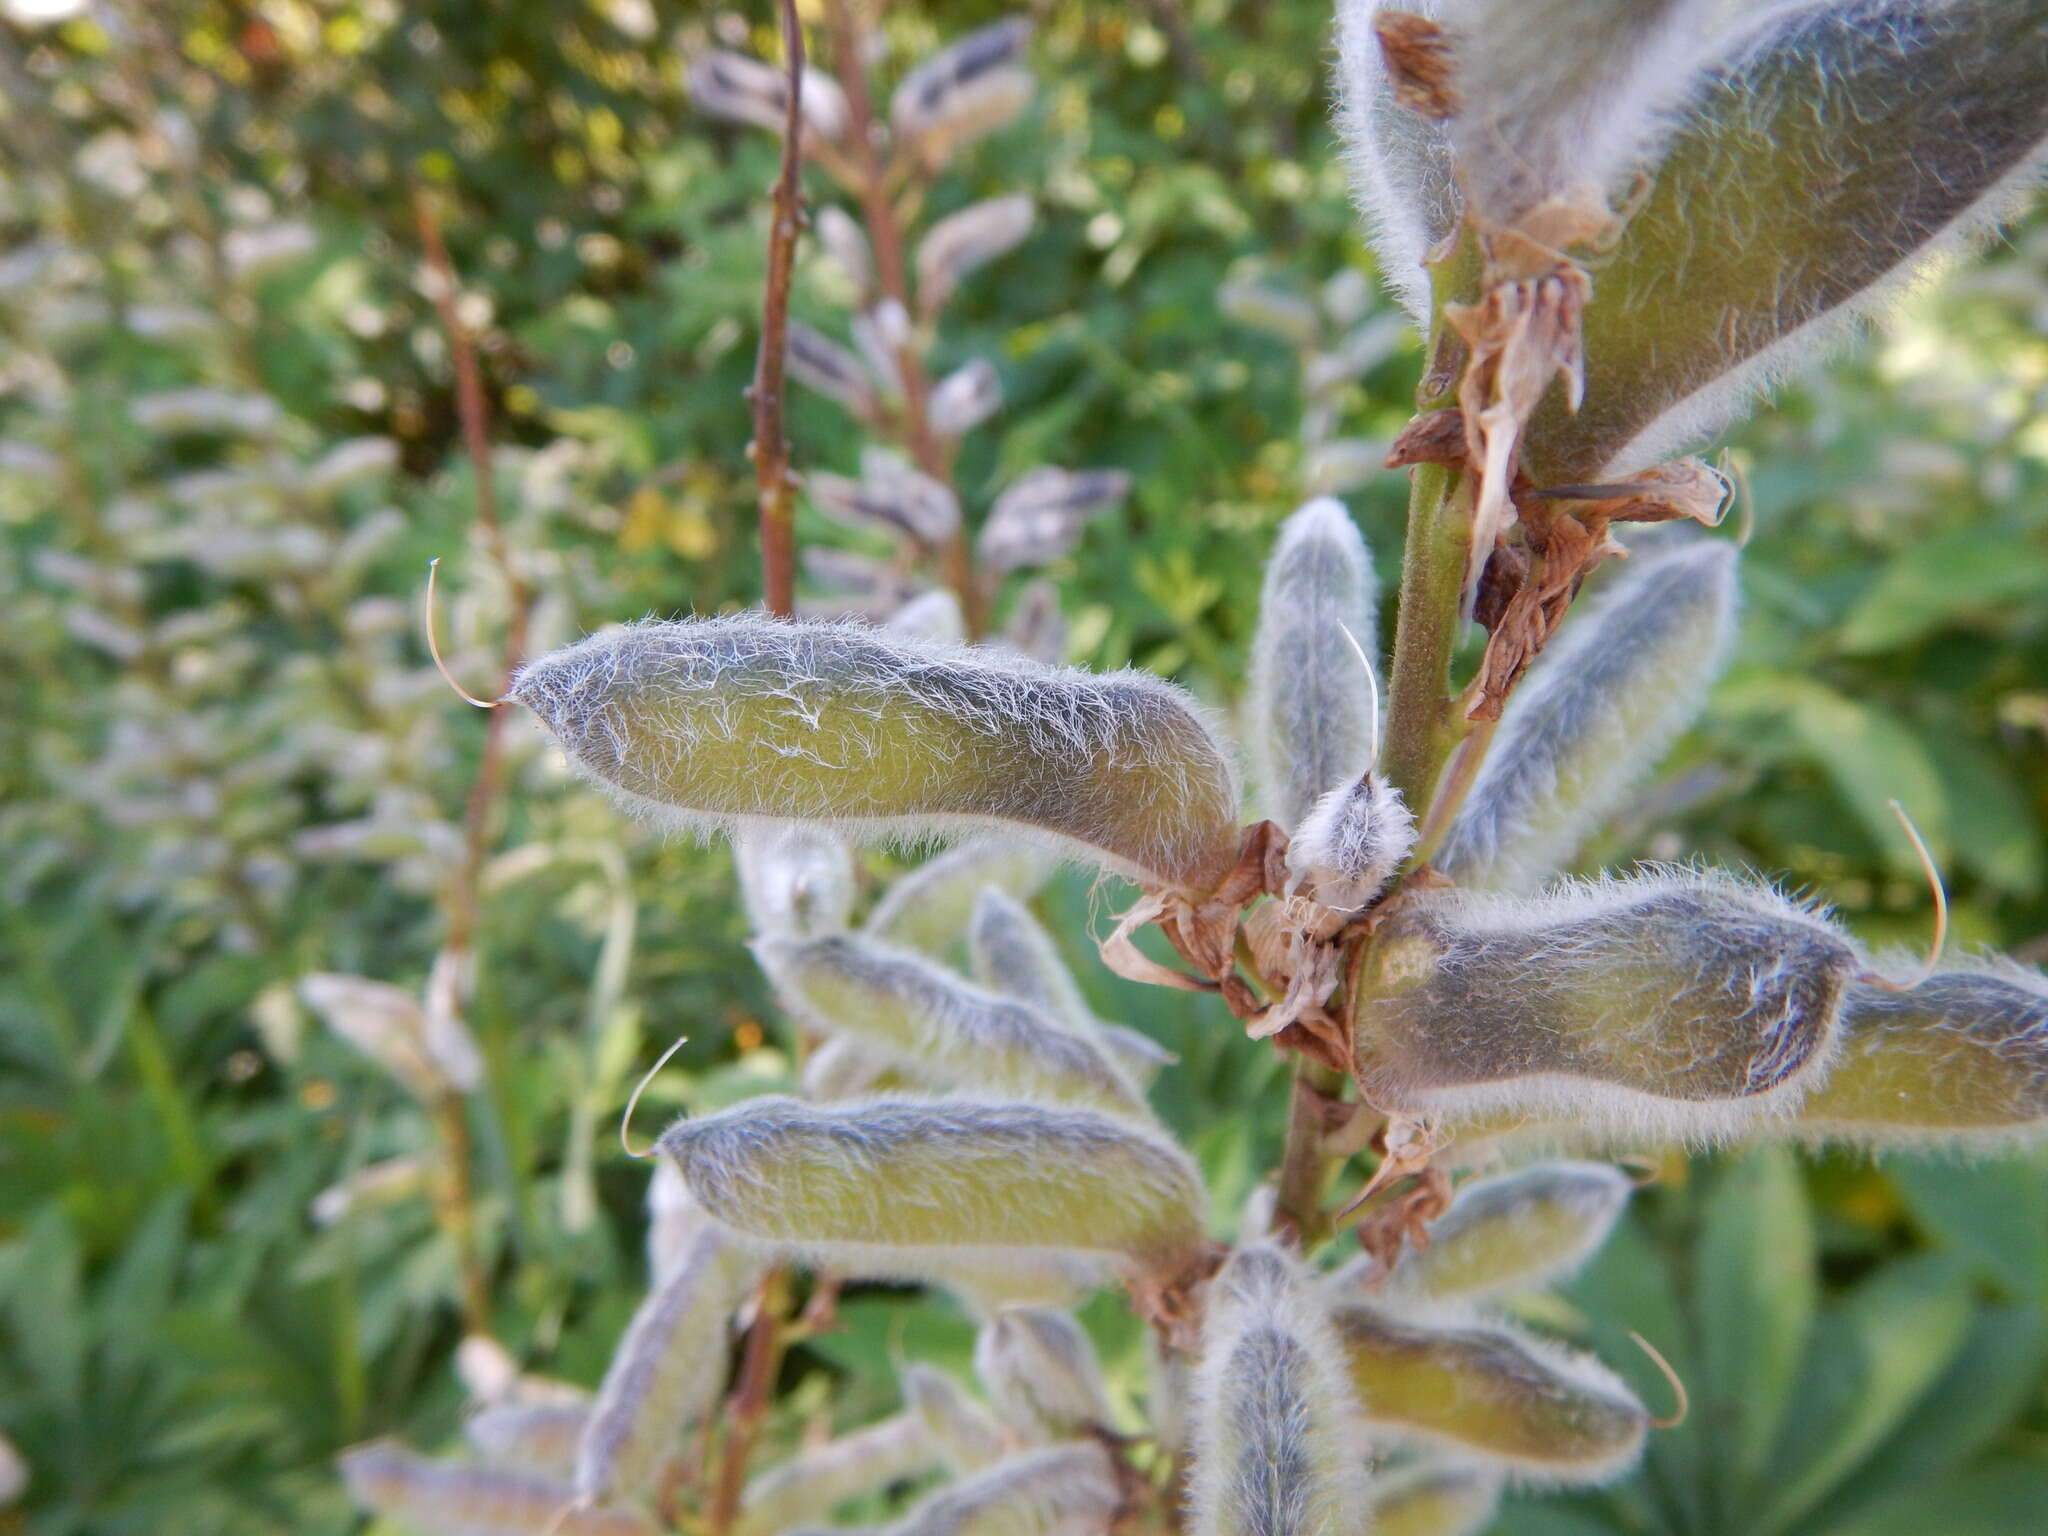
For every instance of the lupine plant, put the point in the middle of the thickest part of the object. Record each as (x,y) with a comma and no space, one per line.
(1612,221)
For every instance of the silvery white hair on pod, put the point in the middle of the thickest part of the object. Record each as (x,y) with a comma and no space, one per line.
(1435,1498)
(1040,1370)
(931,92)
(943,1173)
(959,244)
(794,880)
(965,1435)
(1063,1488)
(1831,153)
(1348,847)
(1597,711)
(714,721)
(453,1498)
(1277,1450)
(1677,1003)
(1310,708)
(936,1028)
(928,909)
(817,1480)
(665,1374)
(674,1220)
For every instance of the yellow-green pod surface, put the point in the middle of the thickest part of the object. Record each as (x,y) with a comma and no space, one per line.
(457,1498)
(1434,1501)
(928,908)
(748,717)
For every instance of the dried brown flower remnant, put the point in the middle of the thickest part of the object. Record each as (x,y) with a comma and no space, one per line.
(1421,62)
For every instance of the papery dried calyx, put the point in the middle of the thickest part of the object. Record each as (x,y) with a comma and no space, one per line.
(717,721)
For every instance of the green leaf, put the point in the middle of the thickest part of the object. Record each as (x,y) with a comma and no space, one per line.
(1994,1215)
(1989,820)
(2003,1499)
(1935,582)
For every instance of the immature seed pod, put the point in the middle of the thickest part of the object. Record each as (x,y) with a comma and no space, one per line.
(964,399)
(1042,1374)
(1545,1413)
(664,1376)
(936,1028)
(847,244)
(818,362)
(384,1022)
(1595,714)
(814,1482)
(1011,953)
(842,1068)
(372,1188)
(1963,1056)
(961,243)
(890,497)
(928,909)
(1310,711)
(713,721)
(674,1222)
(453,1498)
(943,1174)
(968,87)
(745,90)
(1678,1003)
(1434,1500)
(1351,844)
(1277,1453)
(964,1434)
(1063,1488)
(1039,518)
(1037,626)
(540,1438)
(795,881)
(933,615)
(1515,1231)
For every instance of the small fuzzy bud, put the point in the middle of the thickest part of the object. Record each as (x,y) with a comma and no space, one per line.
(964,399)
(929,908)
(882,332)
(1962,1057)
(1351,843)
(937,1029)
(1310,712)
(1676,1003)
(814,1482)
(1595,714)
(970,87)
(1037,626)
(817,362)
(905,503)
(1548,1414)
(942,1174)
(716,720)
(847,244)
(1516,1231)
(373,1187)
(961,243)
(965,1435)
(1277,1451)
(744,90)
(1064,1488)
(1042,1374)
(933,615)
(384,1023)
(452,1498)
(1039,519)
(1435,1500)
(794,881)
(540,1438)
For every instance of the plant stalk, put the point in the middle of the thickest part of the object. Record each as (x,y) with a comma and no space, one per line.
(770,451)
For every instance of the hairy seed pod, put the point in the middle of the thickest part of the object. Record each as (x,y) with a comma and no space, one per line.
(1037,625)
(961,243)
(942,1174)
(1516,1231)
(540,1438)
(928,909)
(1063,1488)
(1546,1413)
(452,1498)
(1040,517)
(882,332)
(1831,153)
(1041,1372)
(1350,844)
(1677,1003)
(933,615)
(965,1435)
(964,398)
(1961,1057)
(891,497)
(716,720)
(674,1222)
(944,95)
(1435,1500)
(843,1068)
(1277,1452)
(1310,713)
(862,580)
(665,1374)
(936,1028)
(383,1022)
(984,1281)
(372,1188)
(1011,953)
(744,90)
(1596,713)
(818,362)
(847,244)
(814,1482)
(795,882)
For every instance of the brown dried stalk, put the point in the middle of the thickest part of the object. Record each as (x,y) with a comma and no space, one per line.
(770,450)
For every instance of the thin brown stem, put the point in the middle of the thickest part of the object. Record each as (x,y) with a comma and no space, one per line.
(770,451)
(760,1362)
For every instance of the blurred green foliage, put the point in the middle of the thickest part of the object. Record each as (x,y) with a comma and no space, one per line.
(182,1349)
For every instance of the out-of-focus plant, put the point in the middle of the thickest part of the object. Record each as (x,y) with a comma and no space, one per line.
(1541,192)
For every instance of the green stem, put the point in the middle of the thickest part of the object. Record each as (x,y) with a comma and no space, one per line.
(1420,732)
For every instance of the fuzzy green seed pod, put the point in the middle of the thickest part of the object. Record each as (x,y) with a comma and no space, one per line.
(1596,713)
(747,717)
(1961,1057)
(794,881)
(665,1374)
(540,1438)
(1277,1450)
(1516,1231)
(936,1028)
(1431,1500)
(1042,1374)
(1310,709)
(965,1435)
(941,1175)
(928,909)
(452,1498)
(1059,1489)
(844,1068)
(1011,953)
(1675,1003)
(814,1482)
(1542,1411)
